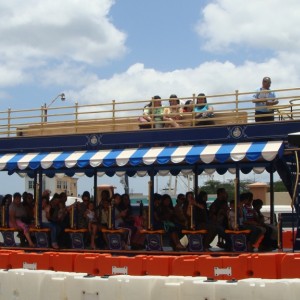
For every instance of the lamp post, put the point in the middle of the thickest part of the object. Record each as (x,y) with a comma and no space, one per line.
(45,108)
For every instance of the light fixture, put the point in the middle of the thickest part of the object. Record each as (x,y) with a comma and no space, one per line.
(62,98)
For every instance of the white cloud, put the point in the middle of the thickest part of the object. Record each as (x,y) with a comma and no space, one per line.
(32,32)
(268,24)
(213,77)
(55,44)
(66,75)
(10,75)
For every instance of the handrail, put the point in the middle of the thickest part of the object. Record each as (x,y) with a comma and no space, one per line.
(229,108)
(297,178)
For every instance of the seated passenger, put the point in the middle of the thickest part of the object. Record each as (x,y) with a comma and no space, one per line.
(203,110)
(47,223)
(173,113)
(180,211)
(104,213)
(171,227)
(251,221)
(188,106)
(201,217)
(82,221)
(118,216)
(16,213)
(28,203)
(153,112)
(270,229)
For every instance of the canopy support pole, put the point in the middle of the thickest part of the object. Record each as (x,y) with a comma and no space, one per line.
(39,200)
(150,200)
(272,198)
(196,187)
(236,194)
(95,185)
(36,189)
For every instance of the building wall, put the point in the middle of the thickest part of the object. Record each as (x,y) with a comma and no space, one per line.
(280,198)
(56,184)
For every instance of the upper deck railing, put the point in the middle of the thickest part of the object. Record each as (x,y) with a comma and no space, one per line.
(232,108)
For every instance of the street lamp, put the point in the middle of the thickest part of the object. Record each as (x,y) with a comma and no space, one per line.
(62,98)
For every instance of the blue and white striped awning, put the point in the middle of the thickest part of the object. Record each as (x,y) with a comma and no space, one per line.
(205,154)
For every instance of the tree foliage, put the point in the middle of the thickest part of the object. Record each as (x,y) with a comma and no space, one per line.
(211,186)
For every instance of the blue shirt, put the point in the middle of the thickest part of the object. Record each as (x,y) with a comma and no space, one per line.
(264,94)
(201,109)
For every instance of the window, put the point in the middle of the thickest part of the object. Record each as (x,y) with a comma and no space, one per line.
(58,185)
(65,185)
(30,184)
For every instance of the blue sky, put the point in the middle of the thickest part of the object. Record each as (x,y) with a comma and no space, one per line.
(99,50)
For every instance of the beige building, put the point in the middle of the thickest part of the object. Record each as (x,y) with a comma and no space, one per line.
(261,191)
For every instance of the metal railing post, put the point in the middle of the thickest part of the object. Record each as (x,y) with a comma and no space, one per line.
(237,103)
(193,112)
(8,121)
(113,114)
(76,116)
(43,114)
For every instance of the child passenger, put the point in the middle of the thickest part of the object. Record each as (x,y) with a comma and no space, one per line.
(90,215)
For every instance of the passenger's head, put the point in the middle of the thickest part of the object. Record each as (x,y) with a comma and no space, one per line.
(17,198)
(86,196)
(180,198)
(63,197)
(246,198)
(91,206)
(188,106)
(156,199)
(126,200)
(47,193)
(45,201)
(24,196)
(257,204)
(105,195)
(201,98)
(117,199)
(222,194)
(156,101)
(202,196)
(166,200)
(190,197)
(7,199)
(105,203)
(173,100)
(30,198)
(266,82)
(55,200)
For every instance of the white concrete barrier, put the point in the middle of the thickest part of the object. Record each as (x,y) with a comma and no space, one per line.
(53,285)
(23,284)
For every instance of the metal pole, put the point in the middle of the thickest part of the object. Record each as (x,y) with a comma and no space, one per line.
(76,116)
(126,188)
(95,187)
(8,122)
(39,200)
(236,194)
(272,199)
(196,188)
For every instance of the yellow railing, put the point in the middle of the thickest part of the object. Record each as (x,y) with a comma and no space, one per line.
(232,108)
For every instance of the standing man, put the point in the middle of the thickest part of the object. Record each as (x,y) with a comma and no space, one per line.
(264,99)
